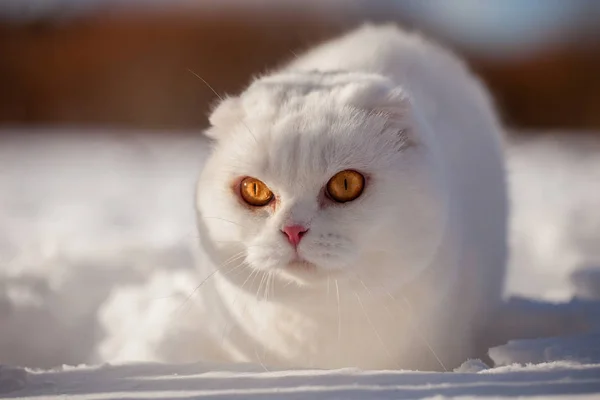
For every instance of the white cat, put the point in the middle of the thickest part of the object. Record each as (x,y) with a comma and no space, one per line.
(355,206)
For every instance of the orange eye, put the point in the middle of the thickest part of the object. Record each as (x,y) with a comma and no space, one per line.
(255,192)
(345,186)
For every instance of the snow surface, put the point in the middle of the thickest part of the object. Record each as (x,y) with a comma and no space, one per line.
(97,239)
(155,381)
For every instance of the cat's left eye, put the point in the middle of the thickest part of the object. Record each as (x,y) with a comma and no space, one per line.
(255,192)
(345,186)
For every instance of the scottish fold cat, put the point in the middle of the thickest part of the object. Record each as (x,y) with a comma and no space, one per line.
(355,209)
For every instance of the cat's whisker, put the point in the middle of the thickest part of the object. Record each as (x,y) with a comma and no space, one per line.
(218,269)
(260,286)
(233,304)
(237,271)
(337,292)
(242,271)
(206,83)
(226,332)
(414,328)
(268,285)
(254,271)
(222,219)
(390,313)
(339,321)
(213,273)
(262,364)
(258,272)
(224,264)
(227,241)
(362,282)
(229,328)
(196,289)
(288,283)
(234,257)
(385,347)
(266,289)
(273,286)
(237,258)
(220,98)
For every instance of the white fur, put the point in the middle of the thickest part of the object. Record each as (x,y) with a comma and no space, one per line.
(407,273)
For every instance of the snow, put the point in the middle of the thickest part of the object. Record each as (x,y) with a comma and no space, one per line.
(98,240)
(80,218)
(583,348)
(155,381)
(556,218)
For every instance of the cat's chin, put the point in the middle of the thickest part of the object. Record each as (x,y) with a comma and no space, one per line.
(303,272)
(301,265)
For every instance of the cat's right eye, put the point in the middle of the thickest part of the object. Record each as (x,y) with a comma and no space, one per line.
(345,186)
(255,192)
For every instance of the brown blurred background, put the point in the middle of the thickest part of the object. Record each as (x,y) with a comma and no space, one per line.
(125,64)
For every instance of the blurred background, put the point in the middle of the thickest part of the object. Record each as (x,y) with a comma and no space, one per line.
(123,63)
(100,144)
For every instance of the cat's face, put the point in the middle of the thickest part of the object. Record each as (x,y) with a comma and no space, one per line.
(319,179)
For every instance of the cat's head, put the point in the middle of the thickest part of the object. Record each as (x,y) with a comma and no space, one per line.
(316,176)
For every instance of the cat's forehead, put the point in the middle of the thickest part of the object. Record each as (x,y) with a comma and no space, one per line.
(308,144)
(303,128)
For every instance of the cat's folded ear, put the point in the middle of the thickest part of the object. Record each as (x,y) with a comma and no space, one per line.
(383,98)
(395,102)
(227,113)
(397,108)
(378,96)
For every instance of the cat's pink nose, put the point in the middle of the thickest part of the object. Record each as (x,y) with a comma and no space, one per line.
(294,233)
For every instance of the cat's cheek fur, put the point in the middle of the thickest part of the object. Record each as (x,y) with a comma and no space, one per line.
(269,252)
(330,251)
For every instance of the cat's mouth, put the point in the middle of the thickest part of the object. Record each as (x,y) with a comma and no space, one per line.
(299,269)
(306,272)
(300,263)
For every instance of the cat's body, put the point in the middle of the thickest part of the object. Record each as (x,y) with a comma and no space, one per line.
(405,275)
